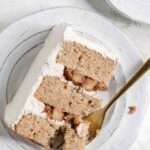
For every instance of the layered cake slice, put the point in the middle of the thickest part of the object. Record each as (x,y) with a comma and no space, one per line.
(60,88)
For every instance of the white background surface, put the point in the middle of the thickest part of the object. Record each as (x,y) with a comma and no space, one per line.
(11,10)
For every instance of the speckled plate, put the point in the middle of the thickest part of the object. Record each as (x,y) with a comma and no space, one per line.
(138,10)
(21,41)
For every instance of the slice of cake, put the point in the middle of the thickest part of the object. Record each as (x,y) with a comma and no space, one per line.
(60,88)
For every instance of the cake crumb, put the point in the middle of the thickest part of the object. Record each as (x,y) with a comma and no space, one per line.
(132,109)
(77,121)
(97,131)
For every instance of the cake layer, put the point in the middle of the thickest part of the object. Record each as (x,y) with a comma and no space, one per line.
(57,93)
(49,134)
(86,61)
(37,129)
(73,141)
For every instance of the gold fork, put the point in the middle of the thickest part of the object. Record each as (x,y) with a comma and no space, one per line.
(96,118)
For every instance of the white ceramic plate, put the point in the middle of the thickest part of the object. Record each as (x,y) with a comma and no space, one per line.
(21,41)
(138,10)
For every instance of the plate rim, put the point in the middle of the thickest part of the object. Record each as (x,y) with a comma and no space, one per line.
(127,16)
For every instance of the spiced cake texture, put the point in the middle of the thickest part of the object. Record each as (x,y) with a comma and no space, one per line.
(86,61)
(73,141)
(38,129)
(47,133)
(57,93)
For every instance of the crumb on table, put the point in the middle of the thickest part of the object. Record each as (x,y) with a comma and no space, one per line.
(132,109)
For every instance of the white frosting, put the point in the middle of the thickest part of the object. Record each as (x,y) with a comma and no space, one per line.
(44,64)
(82,129)
(24,101)
(56,122)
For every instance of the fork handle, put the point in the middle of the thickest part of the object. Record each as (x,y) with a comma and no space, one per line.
(145,67)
